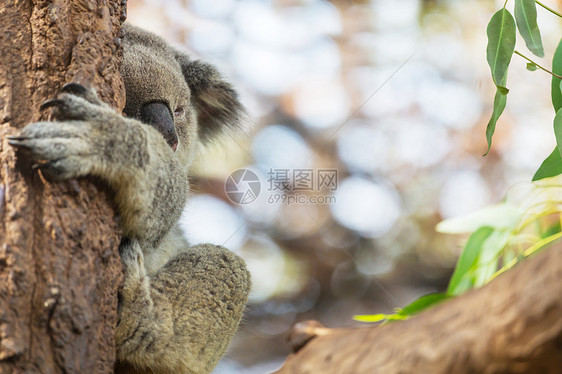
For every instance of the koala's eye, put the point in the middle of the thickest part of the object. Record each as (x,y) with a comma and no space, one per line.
(178,111)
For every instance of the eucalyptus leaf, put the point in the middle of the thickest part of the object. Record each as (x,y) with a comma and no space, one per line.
(531,66)
(550,230)
(489,256)
(500,100)
(467,260)
(526,17)
(558,130)
(501,44)
(423,303)
(501,216)
(550,167)
(379,317)
(370,317)
(503,90)
(556,94)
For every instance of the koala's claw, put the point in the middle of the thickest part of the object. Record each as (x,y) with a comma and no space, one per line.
(51,103)
(18,141)
(17,137)
(76,101)
(88,94)
(46,167)
(75,88)
(54,170)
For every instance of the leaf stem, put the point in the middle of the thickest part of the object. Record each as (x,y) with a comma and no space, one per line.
(549,9)
(540,67)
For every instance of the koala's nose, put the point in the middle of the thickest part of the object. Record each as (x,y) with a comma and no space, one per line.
(158,115)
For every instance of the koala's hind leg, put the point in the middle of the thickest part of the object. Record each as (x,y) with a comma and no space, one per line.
(182,318)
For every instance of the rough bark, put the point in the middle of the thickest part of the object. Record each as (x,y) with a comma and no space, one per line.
(59,265)
(512,325)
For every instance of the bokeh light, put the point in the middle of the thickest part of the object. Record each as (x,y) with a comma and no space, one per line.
(366,207)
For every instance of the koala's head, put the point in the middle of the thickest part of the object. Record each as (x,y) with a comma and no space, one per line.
(186,100)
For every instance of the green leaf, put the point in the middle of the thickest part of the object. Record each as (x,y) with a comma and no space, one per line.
(501,44)
(499,105)
(422,303)
(503,90)
(531,66)
(379,317)
(468,258)
(501,216)
(526,17)
(415,307)
(558,130)
(550,167)
(489,256)
(552,229)
(556,94)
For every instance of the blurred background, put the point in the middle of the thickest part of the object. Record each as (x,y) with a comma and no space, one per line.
(393,97)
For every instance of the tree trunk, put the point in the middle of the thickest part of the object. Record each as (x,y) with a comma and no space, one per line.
(512,325)
(59,265)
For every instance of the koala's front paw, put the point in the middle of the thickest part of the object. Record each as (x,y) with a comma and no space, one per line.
(69,148)
(58,149)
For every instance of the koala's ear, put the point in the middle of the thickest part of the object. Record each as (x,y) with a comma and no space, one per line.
(215,101)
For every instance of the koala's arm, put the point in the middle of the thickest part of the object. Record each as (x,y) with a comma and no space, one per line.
(91,138)
(182,318)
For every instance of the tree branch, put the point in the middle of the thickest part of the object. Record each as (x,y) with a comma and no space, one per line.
(511,325)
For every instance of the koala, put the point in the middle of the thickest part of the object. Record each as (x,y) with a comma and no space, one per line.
(179,306)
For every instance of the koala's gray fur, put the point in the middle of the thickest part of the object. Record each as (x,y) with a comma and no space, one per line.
(180,305)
